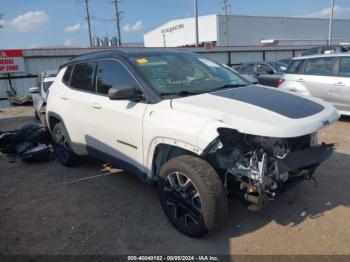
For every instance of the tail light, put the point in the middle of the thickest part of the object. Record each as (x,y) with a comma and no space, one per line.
(280,82)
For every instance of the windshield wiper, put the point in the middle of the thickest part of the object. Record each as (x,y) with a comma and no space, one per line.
(181,93)
(190,92)
(229,86)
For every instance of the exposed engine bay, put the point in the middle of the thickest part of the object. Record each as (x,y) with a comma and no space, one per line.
(259,166)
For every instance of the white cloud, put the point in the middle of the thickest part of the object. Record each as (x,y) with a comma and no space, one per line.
(35,45)
(133,28)
(137,26)
(339,12)
(67,42)
(73,28)
(30,21)
(127,28)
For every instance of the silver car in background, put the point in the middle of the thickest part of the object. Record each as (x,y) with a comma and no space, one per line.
(323,76)
(40,92)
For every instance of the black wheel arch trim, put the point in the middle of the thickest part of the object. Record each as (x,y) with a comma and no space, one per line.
(55,115)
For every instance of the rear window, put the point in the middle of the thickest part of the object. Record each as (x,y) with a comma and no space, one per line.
(344,67)
(46,85)
(83,76)
(312,51)
(320,66)
(295,67)
(67,75)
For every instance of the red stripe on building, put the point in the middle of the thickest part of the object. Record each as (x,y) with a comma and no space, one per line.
(11,53)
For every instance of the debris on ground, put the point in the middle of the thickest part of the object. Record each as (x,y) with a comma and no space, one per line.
(16,100)
(32,143)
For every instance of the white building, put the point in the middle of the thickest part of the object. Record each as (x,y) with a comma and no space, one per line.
(248,31)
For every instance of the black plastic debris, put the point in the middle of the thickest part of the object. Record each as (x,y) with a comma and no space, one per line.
(37,154)
(31,143)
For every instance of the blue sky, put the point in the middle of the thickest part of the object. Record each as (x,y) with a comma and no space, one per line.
(45,23)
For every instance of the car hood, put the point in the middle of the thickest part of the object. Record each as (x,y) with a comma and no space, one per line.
(260,110)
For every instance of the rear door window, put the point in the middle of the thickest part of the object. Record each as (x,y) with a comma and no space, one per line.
(344,67)
(112,74)
(295,66)
(263,69)
(322,66)
(83,76)
(247,69)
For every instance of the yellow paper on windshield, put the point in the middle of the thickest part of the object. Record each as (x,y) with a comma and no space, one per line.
(142,61)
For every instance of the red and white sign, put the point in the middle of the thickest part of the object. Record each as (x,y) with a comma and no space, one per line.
(11,61)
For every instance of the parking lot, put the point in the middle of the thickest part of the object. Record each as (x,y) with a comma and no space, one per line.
(97,209)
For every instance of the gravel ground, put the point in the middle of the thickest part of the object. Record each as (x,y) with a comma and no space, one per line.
(95,209)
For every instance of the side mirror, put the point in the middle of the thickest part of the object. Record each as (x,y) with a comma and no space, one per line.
(125,92)
(34,90)
(270,72)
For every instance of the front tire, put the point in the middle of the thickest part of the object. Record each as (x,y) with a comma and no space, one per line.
(192,195)
(62,146)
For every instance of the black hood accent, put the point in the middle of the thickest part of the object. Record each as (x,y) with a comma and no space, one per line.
(282,103)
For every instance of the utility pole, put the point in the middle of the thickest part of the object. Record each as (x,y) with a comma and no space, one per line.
(88,20)
(226,5)
(330,34)
(117,20)
(196,21)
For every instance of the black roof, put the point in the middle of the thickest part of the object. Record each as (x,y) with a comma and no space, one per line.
(120,54)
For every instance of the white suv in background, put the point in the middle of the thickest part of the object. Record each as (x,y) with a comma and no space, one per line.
(323,76)
(192,126)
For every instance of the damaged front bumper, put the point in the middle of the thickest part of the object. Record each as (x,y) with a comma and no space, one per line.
(305,158)
(298,164)
(260,166)
(266,175)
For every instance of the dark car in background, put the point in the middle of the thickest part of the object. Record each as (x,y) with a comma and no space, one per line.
(250,79)
(267,73)
(286,61)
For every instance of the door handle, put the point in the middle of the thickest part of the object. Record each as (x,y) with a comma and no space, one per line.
(300,80)
(339,84)
(96,105)
(64,97)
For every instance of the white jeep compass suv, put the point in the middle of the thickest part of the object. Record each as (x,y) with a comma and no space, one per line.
(190,125)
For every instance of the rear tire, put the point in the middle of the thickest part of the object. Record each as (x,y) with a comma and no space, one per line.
(62,146)
(192,195)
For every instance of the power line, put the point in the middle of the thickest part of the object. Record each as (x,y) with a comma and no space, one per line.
(226,5)
(117,20)
(88,20)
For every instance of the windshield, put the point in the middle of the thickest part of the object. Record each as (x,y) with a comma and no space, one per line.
(46,85)
(183,74)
